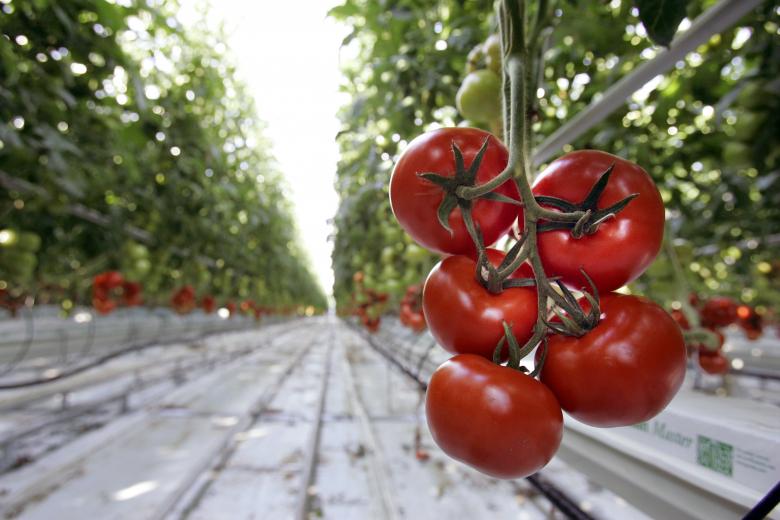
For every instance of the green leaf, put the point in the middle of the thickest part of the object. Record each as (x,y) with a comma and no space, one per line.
(661,18)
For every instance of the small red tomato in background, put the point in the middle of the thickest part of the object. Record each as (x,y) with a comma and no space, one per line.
(624,371)
(415,201)
(103,306)
(465,318)
(131,294)
(680,318)
(183,300)
(622,247)
(719,311)
(715,363)
(493,418)
(750,322)
(208,303)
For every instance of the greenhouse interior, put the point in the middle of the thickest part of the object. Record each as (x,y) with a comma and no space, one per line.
(344,259)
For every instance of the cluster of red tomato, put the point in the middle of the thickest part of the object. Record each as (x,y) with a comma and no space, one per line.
(411,313)
(622,371)
(110,289)
(715,314)
(368,304)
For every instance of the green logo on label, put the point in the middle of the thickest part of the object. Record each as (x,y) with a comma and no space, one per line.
(716,455)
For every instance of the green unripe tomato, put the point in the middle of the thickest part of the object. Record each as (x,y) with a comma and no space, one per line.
(416,254)
(493,53)
(18,262)
(387,255)
(29,242)
(479,96)
(136,250)
(475,59)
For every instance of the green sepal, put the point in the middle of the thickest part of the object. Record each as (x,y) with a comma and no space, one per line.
(563,205)
(497,350)
(440,180)
(471,174)
(538,367)
(514,348)
(596,191)
(498,197)
(448,204)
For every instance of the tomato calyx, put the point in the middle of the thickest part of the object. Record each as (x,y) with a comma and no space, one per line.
(592,217)
(496,279)
(573,319)
(463,177)
(517,353)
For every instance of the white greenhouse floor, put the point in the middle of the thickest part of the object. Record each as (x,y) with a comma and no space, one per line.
(294,420)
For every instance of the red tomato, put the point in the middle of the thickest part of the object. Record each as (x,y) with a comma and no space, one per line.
(750,321)
(416,321)
(622,247)
(183,300)
(415,201)
(680,318)
(131,294)
(465,318)
(103,306)
(109,280)
(493,418)
(719,312)
(208,303)
(716,364)
(624,371)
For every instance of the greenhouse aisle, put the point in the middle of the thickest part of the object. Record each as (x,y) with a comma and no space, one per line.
(310,423)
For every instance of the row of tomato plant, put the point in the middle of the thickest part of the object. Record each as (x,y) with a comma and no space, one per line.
(127,144)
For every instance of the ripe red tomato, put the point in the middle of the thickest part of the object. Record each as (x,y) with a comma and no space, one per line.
(493,418)
(465,318)
(680,318)
(103,306)
(719,311)
(183,300)
(624,371)
(622,247)
(716,363)
(208,303)
(131,293)
(415,201)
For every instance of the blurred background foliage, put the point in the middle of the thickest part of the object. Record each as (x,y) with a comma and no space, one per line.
(127,143)
(707,132)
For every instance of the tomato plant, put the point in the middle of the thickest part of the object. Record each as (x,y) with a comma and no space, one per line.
(624,371)
(620,248)
(415,201)
(465,318)
(493,418)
